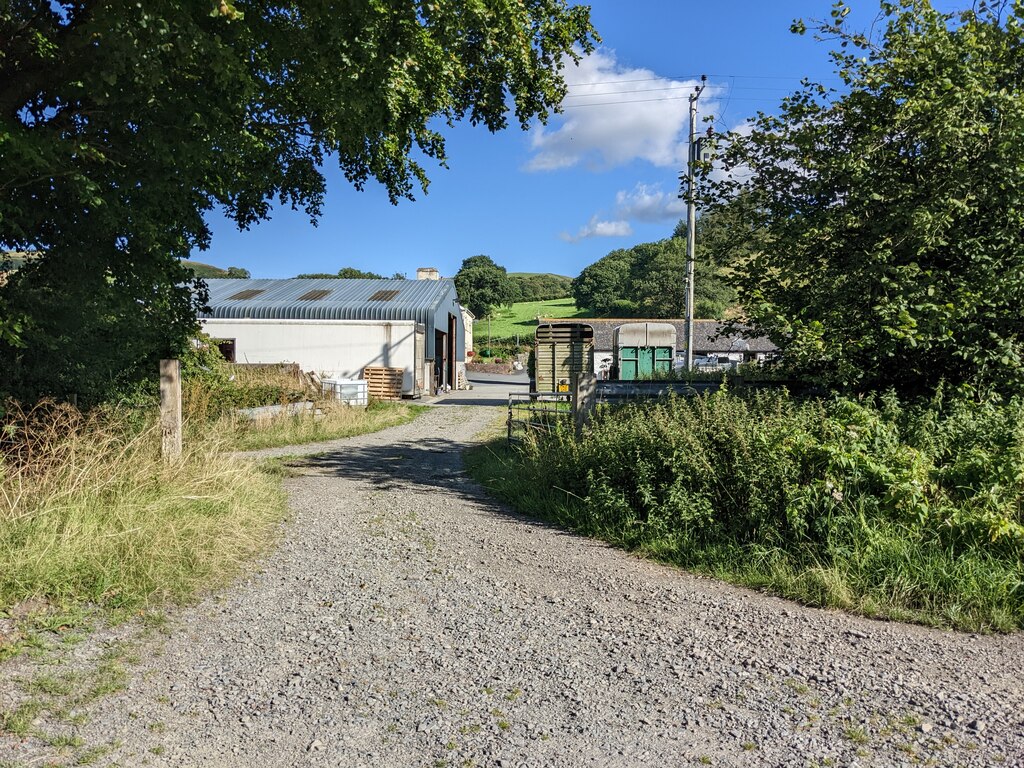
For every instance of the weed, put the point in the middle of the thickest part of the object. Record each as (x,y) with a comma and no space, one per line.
(52,685)
(64,741)
(18,721)
(91,755)
(796,686)
(856,734)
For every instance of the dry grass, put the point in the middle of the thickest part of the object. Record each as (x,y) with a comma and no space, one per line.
(324,420)
(90,512)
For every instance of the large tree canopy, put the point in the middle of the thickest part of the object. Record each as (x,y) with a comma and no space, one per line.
(887,217)
(483,286)
(123,123)
(649,280)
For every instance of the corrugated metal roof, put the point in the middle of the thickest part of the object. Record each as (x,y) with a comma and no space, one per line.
(327,299)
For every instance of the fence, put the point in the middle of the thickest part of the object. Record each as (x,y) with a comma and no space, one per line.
(536,413)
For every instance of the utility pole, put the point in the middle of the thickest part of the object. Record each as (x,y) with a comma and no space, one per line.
(691,222)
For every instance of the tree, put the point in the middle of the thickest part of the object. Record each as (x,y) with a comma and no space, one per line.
(123,123)
(541,287)
(483,286)
(648,280)
(599,286)
(358,274)
(888,227)
(347,273)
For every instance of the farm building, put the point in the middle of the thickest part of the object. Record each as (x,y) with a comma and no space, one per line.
(338,327)
(598,339)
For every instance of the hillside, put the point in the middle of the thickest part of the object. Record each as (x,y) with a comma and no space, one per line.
(205,270)
(208,270)
(521,319)
(540,286)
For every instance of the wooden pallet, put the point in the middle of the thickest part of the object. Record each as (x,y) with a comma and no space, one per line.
(384,383)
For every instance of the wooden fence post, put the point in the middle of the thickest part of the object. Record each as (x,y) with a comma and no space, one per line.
(170,409)
(584,398)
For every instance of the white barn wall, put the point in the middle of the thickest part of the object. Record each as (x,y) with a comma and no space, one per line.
(336,348)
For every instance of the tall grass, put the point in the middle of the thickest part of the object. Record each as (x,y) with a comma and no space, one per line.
(870,506)
(90,512)
(322,420)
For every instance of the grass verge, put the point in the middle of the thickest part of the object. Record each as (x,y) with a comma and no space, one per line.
(903,513)
(90,513)
(330,421)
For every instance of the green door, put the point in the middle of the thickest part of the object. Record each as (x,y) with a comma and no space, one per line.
(629,363)
(662,360)
(645,363)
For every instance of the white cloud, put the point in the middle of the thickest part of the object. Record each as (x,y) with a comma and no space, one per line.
(599,228)
(650,203)
(614,114)
(645,202)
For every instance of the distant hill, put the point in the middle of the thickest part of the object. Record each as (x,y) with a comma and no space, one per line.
(208,270)
(541,286)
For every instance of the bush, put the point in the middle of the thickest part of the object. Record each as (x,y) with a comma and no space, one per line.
(865,504)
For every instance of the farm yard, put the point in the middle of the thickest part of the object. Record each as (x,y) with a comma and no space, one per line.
(744,488)
(405,619)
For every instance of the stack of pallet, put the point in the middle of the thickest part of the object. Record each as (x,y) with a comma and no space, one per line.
(384,383)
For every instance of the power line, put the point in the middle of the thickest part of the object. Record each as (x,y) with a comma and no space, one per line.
(648,101)
(673,88)
(694,78)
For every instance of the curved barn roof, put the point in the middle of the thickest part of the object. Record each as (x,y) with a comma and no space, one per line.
(328,299)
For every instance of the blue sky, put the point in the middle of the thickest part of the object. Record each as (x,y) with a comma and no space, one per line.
(601,176)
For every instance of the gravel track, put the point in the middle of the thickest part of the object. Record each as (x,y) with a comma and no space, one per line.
(405,620)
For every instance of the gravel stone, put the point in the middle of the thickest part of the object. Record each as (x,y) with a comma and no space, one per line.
(405,619)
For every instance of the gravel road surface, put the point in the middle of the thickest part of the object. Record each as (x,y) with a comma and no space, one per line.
(405,620)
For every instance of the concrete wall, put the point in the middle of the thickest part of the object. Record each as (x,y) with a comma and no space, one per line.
(334,348)
(467,322)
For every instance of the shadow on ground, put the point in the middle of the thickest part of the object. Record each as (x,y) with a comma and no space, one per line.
(430,463)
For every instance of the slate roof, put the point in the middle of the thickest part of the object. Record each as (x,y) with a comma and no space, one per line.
(707,334)
(327,299)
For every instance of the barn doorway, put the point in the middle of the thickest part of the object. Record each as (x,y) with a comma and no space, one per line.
(440,360)
(450,352)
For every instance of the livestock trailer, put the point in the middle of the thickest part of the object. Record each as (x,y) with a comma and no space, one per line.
(644,350)
(562,352)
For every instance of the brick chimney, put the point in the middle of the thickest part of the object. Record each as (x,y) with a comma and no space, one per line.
(428,273)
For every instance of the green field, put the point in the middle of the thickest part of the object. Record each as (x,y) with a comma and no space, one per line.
(521,319)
